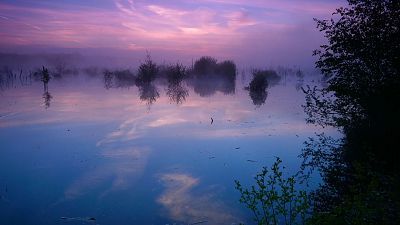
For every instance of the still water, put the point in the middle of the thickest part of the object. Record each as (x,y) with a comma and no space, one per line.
(86,152)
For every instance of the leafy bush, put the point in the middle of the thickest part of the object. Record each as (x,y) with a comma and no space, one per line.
(275,199)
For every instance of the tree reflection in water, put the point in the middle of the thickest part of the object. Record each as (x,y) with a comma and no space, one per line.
(176,92)
(148,93)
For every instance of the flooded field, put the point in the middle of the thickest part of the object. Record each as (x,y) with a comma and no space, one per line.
(103,148)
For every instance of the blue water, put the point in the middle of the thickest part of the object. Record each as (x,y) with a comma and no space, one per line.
(106,154)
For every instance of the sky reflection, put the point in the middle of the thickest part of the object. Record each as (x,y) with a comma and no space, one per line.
(160,164)
(121,167)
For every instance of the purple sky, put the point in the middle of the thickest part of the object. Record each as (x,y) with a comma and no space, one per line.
(257,31)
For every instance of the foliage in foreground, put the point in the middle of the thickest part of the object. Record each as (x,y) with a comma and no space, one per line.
(276,199)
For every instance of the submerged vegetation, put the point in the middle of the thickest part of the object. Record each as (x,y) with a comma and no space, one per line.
(208,76)
(258,88)
(11,79)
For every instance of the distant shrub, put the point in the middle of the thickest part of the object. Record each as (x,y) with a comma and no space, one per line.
(118,78)
(123,74)
(147,71)
(108,79)
(257,87)
(210,76)
(175,73)
(227,68)
(205,65)
(259,82)
(124,78)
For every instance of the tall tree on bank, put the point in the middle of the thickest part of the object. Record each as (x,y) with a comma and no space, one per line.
(361,62)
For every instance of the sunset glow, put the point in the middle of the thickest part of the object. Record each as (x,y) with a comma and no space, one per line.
(214,27)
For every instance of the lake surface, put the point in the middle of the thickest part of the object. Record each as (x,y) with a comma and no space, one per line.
(90,153)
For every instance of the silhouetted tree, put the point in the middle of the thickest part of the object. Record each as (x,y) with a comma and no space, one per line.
(361,64)
(176,91)
(176,73)
(45,78)
(147,71)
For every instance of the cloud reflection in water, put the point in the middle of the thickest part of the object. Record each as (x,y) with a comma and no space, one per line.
(122,167)
(183,205)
